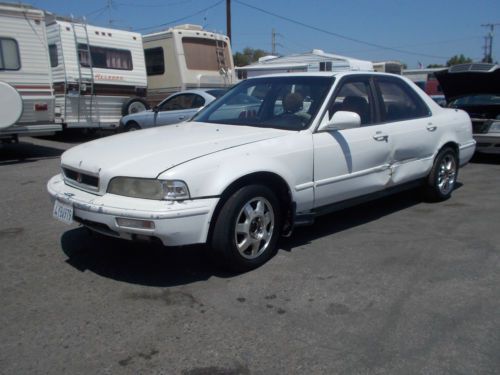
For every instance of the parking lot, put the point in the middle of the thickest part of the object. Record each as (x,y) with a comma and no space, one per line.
(395,286)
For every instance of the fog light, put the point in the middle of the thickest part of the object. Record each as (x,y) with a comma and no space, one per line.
(134,223)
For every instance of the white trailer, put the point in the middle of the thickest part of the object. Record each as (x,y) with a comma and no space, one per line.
(99,73)
(27,99)
(186,57)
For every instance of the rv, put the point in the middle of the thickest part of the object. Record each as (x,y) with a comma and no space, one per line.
(27,100)
(99,74)
(186,57)
(315,61)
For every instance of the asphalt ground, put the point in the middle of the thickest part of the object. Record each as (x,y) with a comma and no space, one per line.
(395,286)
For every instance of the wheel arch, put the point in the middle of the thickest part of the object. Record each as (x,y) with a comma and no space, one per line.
(269,179)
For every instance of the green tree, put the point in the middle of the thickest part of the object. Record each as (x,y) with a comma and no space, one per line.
(458,59)
(435,66)
(248,56)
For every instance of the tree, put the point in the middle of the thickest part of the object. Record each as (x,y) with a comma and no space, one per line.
(248,56)
(458,59)
(435,66)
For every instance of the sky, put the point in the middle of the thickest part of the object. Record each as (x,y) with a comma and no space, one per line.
(413,32)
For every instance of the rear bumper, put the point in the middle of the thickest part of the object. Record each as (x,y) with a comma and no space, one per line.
(28,130)
(175,223)
(466,151)
(487,143)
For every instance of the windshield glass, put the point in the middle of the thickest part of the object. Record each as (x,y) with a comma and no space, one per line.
(478,99)
(276,102)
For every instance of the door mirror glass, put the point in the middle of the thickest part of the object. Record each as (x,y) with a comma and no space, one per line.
(340,120)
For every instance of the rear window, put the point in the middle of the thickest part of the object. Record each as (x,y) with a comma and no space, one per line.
(155,61)
(205,54)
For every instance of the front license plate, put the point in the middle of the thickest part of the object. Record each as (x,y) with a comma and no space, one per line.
(63,212)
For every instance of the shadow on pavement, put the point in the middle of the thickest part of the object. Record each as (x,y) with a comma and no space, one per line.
(26,153)
(486,159)
(76,136)
(154,265)
(138,262)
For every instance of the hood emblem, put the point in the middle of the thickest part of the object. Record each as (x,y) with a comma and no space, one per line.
(69,195)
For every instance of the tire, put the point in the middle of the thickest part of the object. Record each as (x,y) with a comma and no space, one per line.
(131,126)
(443,177)
(247,228)
(134,105)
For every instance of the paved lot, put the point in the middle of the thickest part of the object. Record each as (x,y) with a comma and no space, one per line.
(396,286)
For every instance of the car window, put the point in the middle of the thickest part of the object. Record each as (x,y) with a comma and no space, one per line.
(399,102)
(279,102)
(354,96)
(182,101)
(480,99)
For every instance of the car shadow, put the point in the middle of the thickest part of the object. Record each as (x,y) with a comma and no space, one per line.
(142,263)
(151,264)
(479,158)
(76,136)
(23,152)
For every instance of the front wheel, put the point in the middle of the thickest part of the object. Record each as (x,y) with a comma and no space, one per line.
(247,228)
(443,176)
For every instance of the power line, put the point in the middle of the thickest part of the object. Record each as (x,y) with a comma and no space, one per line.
(379,46)
(182,18)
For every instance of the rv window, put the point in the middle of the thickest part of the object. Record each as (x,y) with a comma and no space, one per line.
(9,54)
(155,61)
(106,58)
(54,60)
(325,66)
(206,54)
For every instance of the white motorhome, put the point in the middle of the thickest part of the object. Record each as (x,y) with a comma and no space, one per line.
(99,74)
(27,100)
(315,61)
(186,57)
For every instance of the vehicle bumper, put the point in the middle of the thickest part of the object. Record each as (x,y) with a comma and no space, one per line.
(466,152)
(175,223)
(487,143)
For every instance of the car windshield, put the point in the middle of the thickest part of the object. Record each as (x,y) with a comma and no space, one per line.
(289,103)
(478,99)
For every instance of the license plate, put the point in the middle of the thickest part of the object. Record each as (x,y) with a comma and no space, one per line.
(63,212)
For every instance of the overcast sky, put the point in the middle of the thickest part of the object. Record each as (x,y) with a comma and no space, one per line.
(427,32)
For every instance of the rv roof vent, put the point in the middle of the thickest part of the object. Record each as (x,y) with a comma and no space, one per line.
(189,26)
(318,51)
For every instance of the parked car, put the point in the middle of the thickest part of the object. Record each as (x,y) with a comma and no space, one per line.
(475,88)
(178,107)
(239,183)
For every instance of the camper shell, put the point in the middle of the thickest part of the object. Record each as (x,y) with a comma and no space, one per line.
(99,74)
(27,105)
(186,57)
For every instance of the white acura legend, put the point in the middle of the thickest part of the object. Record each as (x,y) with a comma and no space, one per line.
(237,180)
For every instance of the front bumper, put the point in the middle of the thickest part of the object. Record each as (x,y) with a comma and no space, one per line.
(488,143)
(175,223)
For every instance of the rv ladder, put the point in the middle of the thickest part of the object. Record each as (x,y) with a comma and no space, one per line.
(82,45)
(221,58)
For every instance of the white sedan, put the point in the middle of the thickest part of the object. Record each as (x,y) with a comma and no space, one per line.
(317,142)
(178,107)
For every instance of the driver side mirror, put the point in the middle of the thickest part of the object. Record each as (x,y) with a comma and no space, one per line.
(156,109)
(340,120)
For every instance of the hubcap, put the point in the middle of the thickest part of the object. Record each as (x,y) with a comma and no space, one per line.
(447,174)
(254,228)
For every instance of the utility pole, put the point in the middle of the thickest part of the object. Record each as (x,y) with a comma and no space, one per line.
(488,53)
(228,20)
(273,42)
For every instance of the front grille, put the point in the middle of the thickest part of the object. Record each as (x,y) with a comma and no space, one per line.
(81,178)
(480,126)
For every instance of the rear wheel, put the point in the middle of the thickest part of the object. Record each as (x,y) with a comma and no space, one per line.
(443,176)
(247,228)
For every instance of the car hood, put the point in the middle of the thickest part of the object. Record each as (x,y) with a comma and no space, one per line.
(148,153)
(457,84)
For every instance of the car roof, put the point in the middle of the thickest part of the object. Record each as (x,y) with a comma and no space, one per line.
(328,74)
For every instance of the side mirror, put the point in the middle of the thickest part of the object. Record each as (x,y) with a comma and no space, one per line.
(156,109)
(341,120)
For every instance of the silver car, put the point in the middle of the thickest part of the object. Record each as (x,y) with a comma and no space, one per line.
(176,108)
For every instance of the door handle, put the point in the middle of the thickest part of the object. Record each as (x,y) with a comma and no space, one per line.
(182,117)
(381,138)
(431,128)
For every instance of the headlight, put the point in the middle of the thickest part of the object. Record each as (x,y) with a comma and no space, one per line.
(494,127)
(149,188)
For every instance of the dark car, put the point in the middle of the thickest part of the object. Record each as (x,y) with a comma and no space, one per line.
(475,88)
